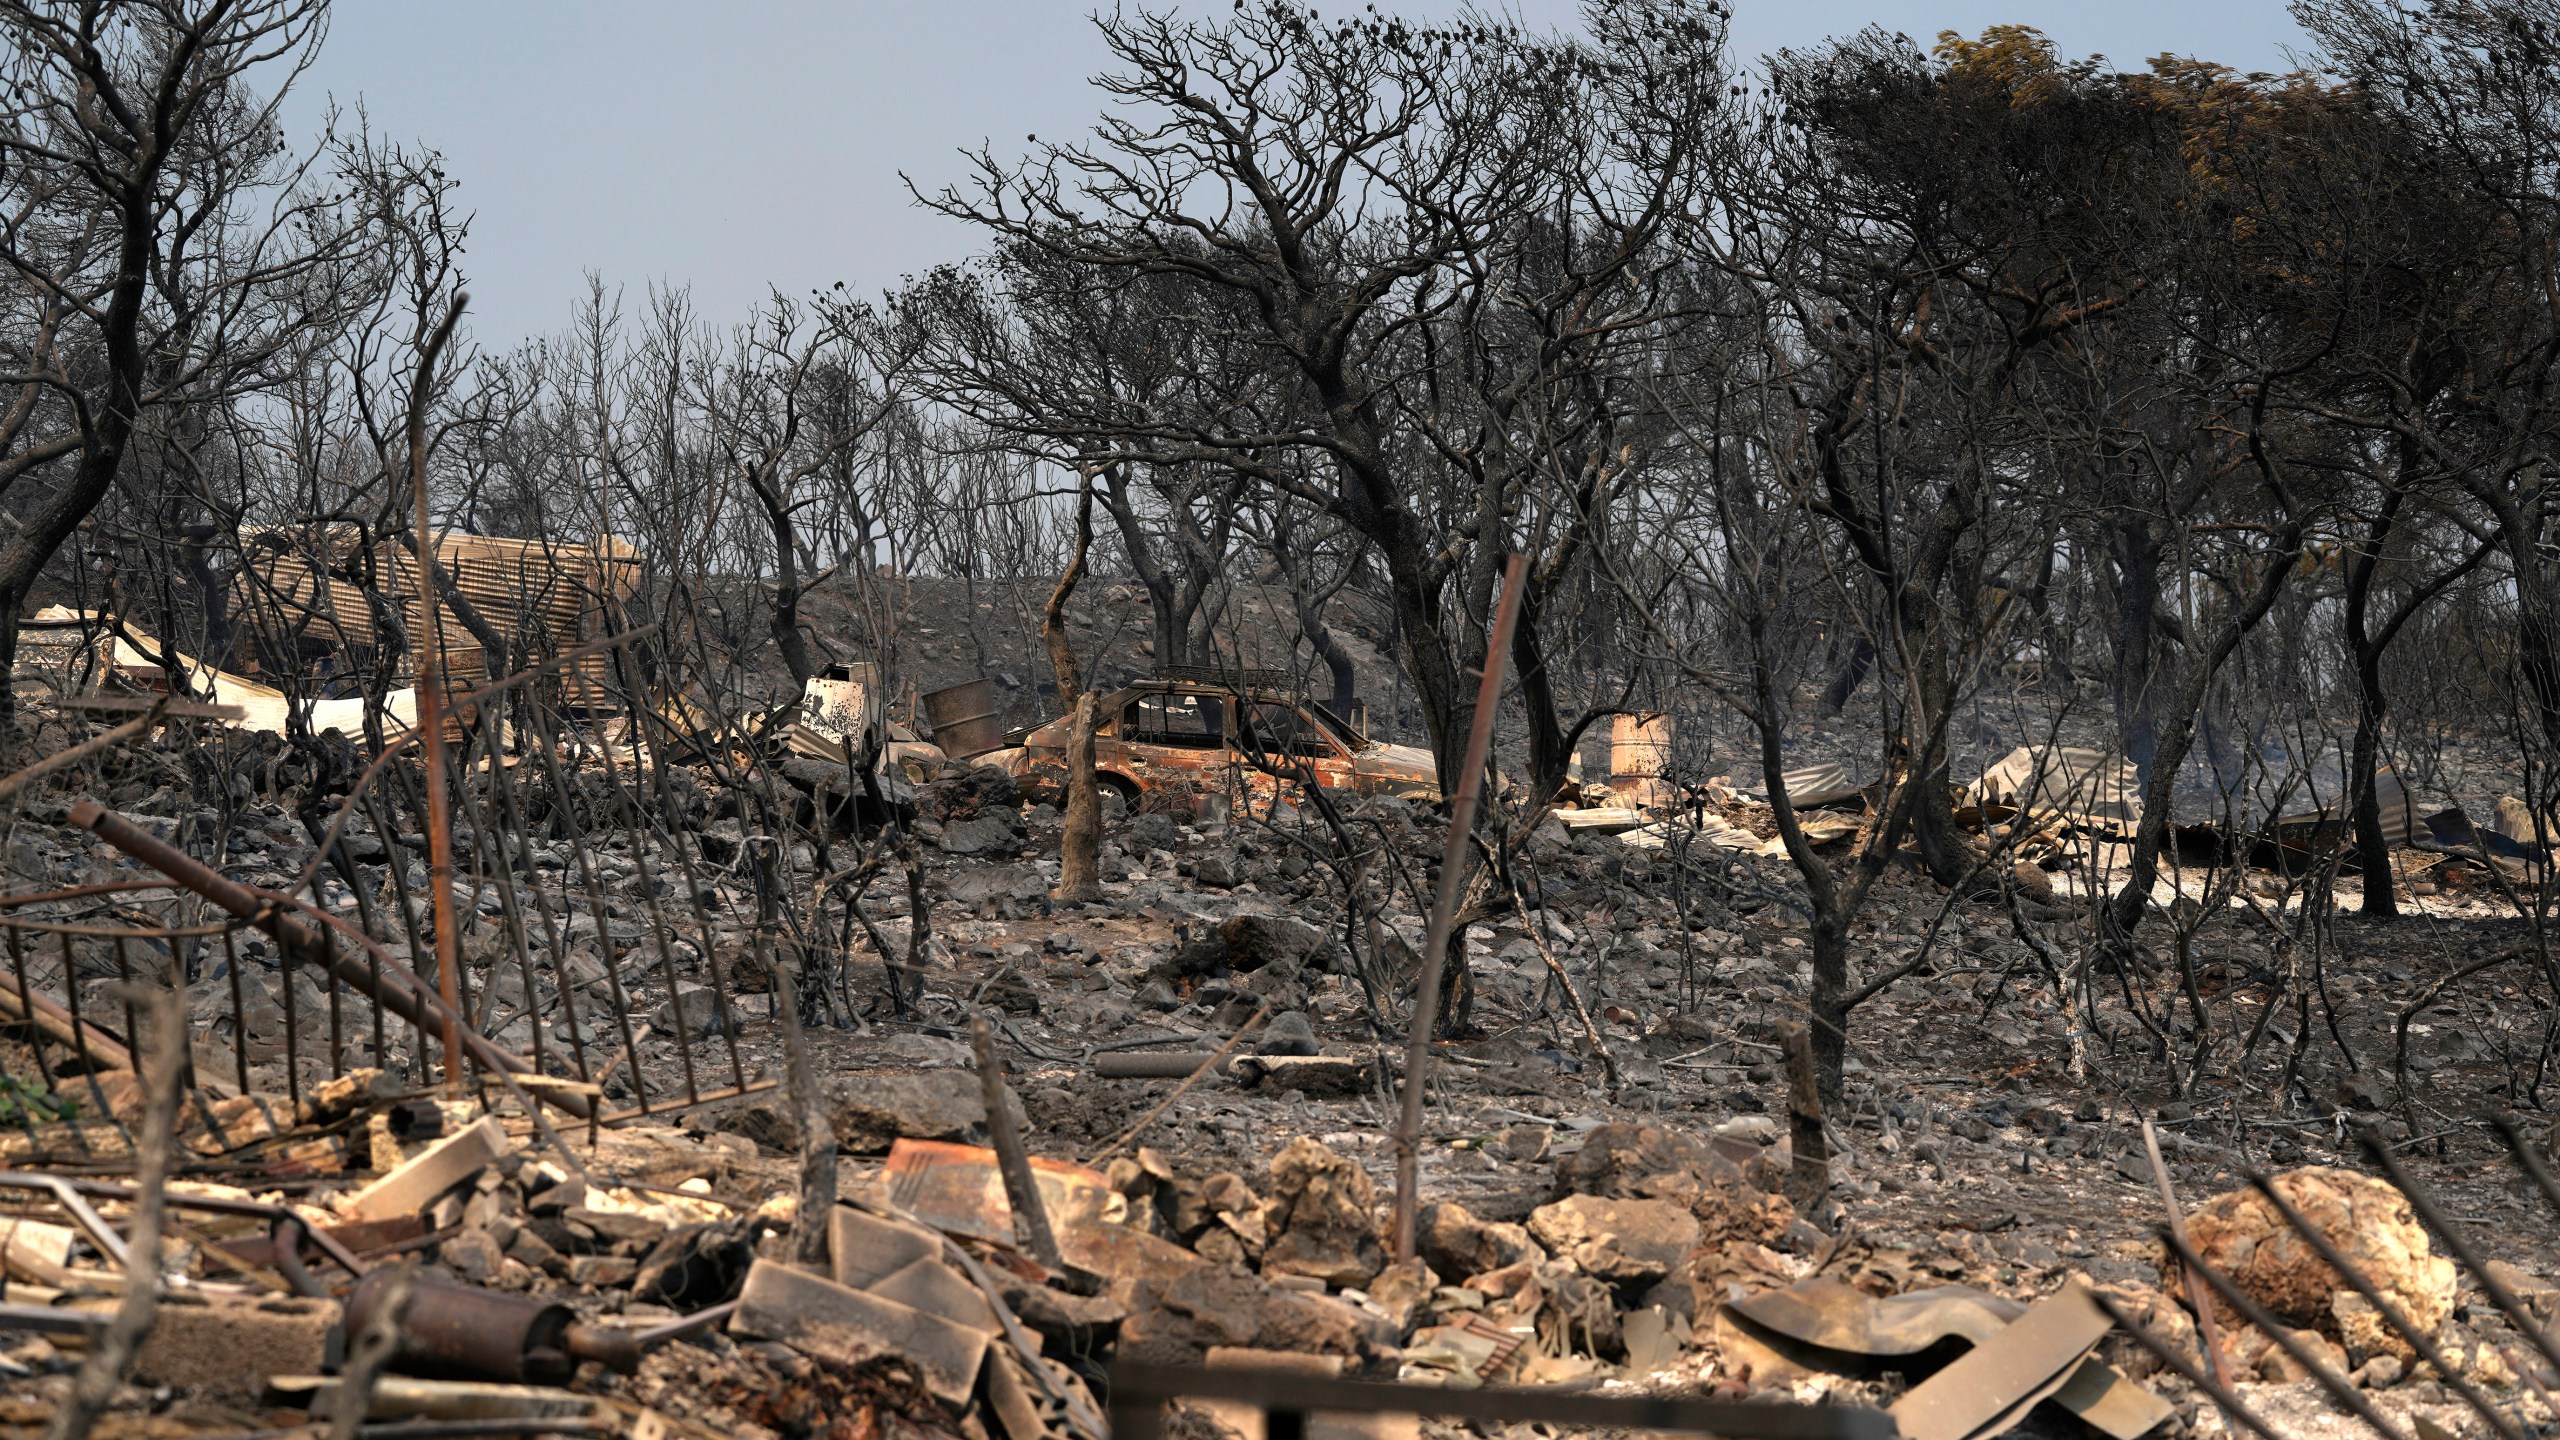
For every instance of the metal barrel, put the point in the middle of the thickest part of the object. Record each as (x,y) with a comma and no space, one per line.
(964,719)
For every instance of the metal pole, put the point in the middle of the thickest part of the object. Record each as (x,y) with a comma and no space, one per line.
(1444,909)
(430,643)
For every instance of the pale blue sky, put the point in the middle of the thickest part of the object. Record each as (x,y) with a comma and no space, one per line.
(733,145)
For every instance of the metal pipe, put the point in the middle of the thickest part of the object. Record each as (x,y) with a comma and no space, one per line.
(1444,909)
(431,701)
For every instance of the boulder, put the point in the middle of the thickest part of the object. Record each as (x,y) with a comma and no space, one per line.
(989,834)
(876,1109)
(2365,1219)
(962,792)
(996,882)
(1289,1034)
(1622,1160)
(1625,1242)
(697,1010)
(1254,941)
(1321,1217)
(767,1121)
(1149,831)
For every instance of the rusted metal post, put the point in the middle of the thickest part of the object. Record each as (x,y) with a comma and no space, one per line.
(431,698)
(1444,909)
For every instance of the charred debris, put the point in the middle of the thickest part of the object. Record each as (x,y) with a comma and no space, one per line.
(1488,730)
(781,1094)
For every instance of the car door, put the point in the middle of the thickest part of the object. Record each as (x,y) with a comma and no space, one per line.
(1171,739)
(1283,737)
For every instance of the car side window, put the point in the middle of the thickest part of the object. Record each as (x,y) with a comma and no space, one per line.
(1190,722)
(1281,730)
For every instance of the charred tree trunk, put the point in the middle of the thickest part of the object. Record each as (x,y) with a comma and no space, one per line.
(2372,849)
(1080,841)
(2178,730)
(2135,640)
(1848,673)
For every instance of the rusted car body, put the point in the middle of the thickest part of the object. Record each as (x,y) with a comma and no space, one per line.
(1182,738)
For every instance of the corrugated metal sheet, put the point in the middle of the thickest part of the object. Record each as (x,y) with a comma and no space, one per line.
(545,596)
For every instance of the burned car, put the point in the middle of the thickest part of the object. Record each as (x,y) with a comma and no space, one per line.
(1181,736)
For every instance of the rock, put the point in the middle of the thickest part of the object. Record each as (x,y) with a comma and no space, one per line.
(1290,1034)
(2537,1294)
(767,1122)
(1316,1325)
(882,1106)
(1402,1289)
(1645,1162)
(1179,1319)
(1320,1217)
(1222,1247)
(1457,1243)
(1621,1241)
(1254,941)
(1527,1144)
(1215,870)
(1176,1320)
(2031,881)
(978,884)
(1150,831)
(980,835)
(2278,1368)
(1622,1161)
(603,1271)
(2368,1222)
(471,1255)
(700,1009)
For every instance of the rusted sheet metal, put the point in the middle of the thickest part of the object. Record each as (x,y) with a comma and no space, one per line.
(295,589)
(1837,1316)
(1994,1384)
(1833,1316)
(959,1189)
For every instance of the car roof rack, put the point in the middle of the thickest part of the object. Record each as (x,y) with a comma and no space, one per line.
(1284,681)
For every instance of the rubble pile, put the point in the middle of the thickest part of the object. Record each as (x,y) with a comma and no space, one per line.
(654,1275)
